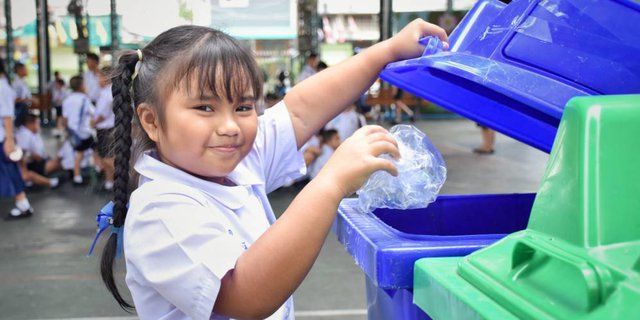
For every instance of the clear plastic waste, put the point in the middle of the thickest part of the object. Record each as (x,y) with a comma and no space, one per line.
(421,174)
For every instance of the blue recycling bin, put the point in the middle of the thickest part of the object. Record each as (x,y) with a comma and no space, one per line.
(512,68)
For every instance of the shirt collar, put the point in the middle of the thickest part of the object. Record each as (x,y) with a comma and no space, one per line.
(233,197)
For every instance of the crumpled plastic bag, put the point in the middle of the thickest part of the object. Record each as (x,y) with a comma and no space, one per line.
(421,174)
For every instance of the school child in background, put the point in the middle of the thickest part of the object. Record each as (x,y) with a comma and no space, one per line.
(23,96)
(78,111)
(11,183)
(66,158)
(200,238)
(36,165)
(330,142)
(59,92)
(90,77)
(347,122)
(103,122)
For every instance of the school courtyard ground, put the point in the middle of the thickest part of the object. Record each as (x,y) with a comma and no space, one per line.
(45,272)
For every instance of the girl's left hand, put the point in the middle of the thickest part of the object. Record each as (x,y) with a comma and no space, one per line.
(404,45)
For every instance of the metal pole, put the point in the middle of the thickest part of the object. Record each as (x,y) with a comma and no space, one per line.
(9,30)
(42,23)
(115,35)
(44,68)
(385,19)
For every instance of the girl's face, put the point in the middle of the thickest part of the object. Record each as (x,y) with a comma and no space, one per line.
(204,136)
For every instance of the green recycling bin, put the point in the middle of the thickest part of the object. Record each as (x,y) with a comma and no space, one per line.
(579,258)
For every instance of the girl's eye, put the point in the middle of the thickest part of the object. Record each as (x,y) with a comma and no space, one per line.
(244,108)
(206,108)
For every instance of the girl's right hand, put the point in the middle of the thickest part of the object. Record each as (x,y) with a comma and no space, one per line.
(357,158)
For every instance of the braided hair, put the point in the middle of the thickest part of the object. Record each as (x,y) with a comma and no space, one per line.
(192,57)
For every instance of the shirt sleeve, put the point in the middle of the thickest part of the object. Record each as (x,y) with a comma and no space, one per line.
(277,147)
(7,103)
(191,249)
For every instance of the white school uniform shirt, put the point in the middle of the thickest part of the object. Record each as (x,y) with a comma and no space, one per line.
(30,142)
(71,108)
(21,88)
(91,84)
(182,234)
(67,157)
(325,153)
(104,108)
(7,104)
(346,123)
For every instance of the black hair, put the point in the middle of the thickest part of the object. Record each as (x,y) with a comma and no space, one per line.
(17,66)
(30,118)
(76,83)
(191,57)
(328,134)
(60,81)
(93,56)
(321,66)
(313,55)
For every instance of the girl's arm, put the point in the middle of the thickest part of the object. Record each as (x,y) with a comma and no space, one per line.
(274,266)
(9,142)
(318,99)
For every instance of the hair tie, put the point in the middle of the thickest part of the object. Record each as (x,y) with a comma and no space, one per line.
(136,69)
(104,218)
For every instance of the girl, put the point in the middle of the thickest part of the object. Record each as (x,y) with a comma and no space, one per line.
(11,183)
(200,238)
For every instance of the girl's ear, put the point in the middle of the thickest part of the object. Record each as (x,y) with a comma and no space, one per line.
(149,120)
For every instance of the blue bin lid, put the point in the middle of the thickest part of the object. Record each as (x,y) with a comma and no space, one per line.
(514,67)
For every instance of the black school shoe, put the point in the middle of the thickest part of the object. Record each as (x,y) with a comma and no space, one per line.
(22,215)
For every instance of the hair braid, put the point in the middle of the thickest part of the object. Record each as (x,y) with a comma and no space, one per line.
(123,110)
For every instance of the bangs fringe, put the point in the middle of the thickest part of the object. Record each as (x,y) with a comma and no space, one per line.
(220,68)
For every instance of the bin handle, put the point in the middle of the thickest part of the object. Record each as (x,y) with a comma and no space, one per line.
(533,260)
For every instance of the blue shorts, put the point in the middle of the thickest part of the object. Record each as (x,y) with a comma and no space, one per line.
(10,178)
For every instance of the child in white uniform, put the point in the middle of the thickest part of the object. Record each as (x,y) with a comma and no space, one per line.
(78,111)
(200,238)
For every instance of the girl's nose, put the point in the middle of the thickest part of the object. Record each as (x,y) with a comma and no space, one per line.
(228,127)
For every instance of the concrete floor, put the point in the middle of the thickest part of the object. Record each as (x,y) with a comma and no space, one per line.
(45,272)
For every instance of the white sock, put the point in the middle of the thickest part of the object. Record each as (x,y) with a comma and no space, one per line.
(23,204)
(108,185)
(53,182)
(77,179)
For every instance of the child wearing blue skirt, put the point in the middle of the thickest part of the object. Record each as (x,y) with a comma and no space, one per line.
(11,184)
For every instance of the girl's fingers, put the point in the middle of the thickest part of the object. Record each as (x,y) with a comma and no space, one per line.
(370,129)
(384,136)
(386,165)
(383,146)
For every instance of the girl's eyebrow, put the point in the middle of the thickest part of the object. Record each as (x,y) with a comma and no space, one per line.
(204,98)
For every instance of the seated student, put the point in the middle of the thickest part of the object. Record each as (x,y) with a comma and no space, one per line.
(35,163)
(329,143)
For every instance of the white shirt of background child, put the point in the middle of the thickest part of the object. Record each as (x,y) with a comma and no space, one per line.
(182,234)
(58,95)
(31,143)
(325,153)
(67,157)
(7,104)
(21,88)
(91,85)
(71,107)
(346,123)
(104,109)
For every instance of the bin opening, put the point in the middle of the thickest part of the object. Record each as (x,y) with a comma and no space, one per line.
(462,215)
